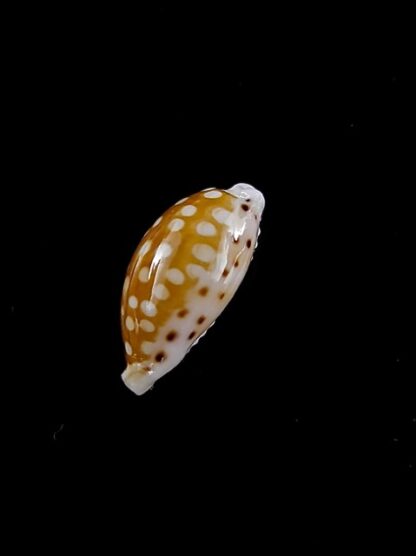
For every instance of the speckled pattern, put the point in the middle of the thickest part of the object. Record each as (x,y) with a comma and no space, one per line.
(184,272)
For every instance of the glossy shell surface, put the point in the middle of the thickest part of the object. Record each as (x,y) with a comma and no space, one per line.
(183,273)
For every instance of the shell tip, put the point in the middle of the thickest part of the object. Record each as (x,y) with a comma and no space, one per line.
(137,379)
(245,191)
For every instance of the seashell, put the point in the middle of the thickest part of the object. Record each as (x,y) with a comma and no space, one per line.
(182,275)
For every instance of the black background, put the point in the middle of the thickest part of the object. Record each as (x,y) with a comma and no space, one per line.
(307,380)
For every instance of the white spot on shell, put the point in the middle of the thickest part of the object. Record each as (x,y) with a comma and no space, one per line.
(129,323)
(148,308)
(147,347)
(175,276)
(144,274)
(158,221)
(146,325)
(133,301)
(188,210)
(161,292)
(163,251)
(129,349)
(195,270)
(203,252)
(145,247)
(206,229)
(215,194)
(176,225)
(220,214)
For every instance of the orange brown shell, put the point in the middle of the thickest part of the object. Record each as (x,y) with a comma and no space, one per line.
(183,273)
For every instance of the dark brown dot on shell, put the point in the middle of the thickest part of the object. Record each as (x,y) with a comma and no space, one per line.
(248,243)
(182,313)
(245,207)
(236,263)
(225,272)
(236,239)
(221,295)
(191,335)
(171,336)
(161,356)
(201,319)
(203,291)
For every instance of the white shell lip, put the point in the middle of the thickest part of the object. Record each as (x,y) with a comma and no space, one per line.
(245,191)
